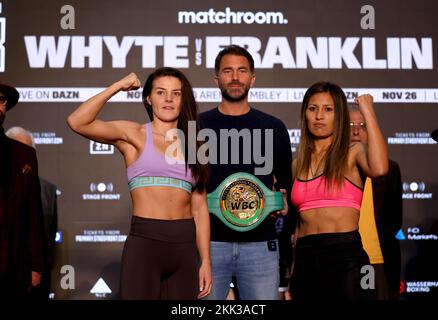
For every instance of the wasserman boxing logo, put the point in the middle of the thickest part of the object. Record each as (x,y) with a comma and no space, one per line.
(230,17)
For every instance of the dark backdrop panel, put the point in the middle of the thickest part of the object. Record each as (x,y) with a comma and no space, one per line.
(94,202)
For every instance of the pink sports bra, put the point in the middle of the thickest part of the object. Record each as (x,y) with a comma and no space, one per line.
(312,194)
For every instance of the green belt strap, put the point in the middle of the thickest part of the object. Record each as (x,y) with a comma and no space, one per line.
(242,201)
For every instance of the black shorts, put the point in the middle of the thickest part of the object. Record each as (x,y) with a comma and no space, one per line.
(328,267)
(160,260)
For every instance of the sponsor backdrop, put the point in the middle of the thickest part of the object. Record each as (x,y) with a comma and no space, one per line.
(59,55)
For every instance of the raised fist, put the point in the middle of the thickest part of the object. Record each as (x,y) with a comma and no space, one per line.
(130,82)
(365,103)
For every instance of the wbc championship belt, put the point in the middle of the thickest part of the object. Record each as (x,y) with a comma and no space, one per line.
(242,201)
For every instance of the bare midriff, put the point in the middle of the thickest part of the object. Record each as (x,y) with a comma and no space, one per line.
(165,203)
(328,220)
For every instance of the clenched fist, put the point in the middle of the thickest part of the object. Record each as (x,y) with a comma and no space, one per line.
(365,103)
(130,82)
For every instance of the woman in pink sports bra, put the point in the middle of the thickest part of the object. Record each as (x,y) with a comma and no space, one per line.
(167,253)
(327,192)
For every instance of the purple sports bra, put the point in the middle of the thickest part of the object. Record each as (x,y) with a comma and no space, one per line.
(152,169)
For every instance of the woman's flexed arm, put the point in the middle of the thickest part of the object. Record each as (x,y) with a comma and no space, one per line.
(83,119)
(372,158)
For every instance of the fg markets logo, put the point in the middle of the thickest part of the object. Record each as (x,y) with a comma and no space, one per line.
(415,233)
(101,148)
(400,235)
(415,190)
(101,191)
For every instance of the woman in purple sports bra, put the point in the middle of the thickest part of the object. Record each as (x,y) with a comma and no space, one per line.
(327,192)
(167,253)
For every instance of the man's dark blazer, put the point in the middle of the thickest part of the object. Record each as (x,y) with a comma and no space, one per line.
(49,200)
(22,241)
(50,213)
(388,213)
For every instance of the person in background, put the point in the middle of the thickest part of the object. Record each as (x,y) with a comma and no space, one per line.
(50,212)
(22,239)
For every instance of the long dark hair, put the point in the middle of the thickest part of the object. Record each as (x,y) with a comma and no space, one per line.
(337,155)
(189,112)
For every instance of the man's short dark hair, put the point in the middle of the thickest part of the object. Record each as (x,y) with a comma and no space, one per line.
(234,50)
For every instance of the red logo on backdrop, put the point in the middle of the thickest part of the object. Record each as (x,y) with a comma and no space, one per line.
(402,286)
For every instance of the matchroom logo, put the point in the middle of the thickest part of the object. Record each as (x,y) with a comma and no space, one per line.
(231,17)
